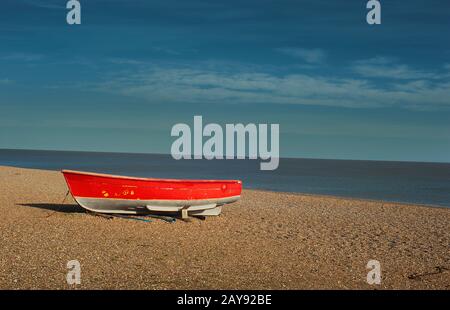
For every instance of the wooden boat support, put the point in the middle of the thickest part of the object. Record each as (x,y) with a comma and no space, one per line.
(184,212)
(130,195)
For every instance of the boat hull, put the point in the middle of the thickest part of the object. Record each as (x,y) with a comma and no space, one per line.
(127,195)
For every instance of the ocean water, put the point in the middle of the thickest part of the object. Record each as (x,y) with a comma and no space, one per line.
(411,182)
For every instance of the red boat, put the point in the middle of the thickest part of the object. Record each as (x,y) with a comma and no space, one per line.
(130,195)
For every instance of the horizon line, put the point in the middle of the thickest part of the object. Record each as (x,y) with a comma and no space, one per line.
(166,154)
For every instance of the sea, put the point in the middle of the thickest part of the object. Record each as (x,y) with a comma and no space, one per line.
(408,182)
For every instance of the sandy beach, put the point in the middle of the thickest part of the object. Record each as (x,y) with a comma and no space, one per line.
(267,240)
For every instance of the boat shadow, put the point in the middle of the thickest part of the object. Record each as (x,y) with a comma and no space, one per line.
(70,208)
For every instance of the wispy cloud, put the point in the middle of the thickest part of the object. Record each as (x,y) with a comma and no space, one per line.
(161,84)
(383,67)
(125,61)
(22,57)
(166,50)
(311,56)
(157,50)
(5,81)
(46,4)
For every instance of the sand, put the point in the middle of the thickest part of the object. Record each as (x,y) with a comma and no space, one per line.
(267,240)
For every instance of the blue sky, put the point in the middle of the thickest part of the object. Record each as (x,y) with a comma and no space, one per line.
(338,87)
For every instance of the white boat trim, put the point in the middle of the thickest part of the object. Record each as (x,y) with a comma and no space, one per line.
(178,208)
(133,206)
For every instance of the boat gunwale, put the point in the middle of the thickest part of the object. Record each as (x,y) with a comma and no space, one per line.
(112,176)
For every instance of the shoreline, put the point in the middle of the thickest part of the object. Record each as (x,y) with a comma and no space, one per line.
(351,198)
(267,240)
(295,193)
